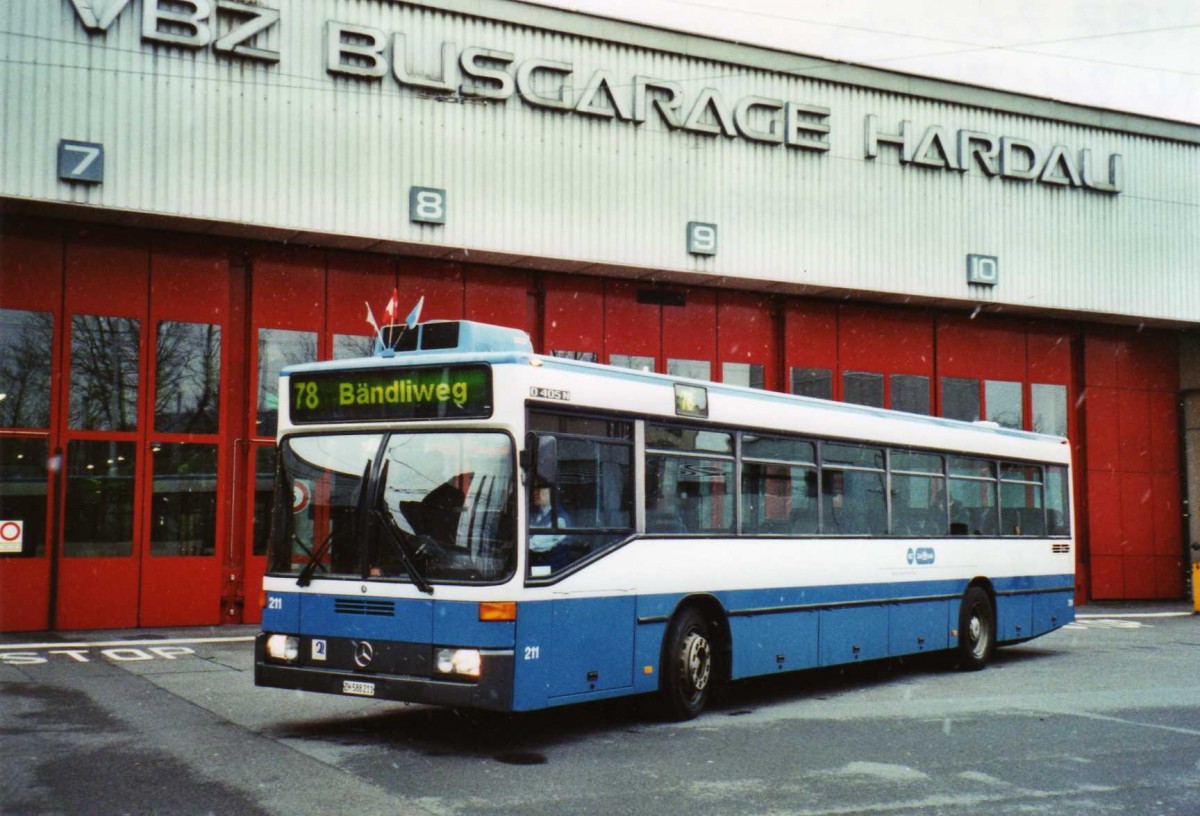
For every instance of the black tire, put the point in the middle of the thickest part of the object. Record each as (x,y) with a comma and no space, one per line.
(976,630)
(688,665)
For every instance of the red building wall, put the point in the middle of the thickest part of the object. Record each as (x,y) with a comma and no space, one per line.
(1121,386)
(1129,405)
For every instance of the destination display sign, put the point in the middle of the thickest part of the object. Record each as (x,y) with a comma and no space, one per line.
(374,395)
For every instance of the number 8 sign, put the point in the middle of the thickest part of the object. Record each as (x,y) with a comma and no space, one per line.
(426,205)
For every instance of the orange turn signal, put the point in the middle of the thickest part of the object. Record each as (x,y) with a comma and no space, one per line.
(262,599)
(498,611)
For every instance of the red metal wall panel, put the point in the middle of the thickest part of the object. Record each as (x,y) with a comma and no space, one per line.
(1049,356)
(1140,577)
(109,273)
(573,315)
(287,289)
(31,266)
(689,332)
(886,342)
(354,280)
(1108,576)
(746,334)
(1133,422)
(984,348)
(889,341)
(1100,360)
(498,296)
(631,327)
(1131,416)
(1169,581)
(1104,513)
(189,280)
(1103,431)
(810,339)
(1164,431)
(1137,518)
(441,284)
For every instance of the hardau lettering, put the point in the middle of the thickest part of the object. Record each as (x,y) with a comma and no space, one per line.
(402,391)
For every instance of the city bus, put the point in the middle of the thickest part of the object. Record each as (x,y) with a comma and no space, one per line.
(461,522)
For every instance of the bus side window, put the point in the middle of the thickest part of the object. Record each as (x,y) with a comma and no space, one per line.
(589,507)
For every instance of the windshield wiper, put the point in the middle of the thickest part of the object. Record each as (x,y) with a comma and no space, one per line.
(396,536)
(306,574)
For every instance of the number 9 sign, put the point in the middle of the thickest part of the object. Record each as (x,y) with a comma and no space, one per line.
(701,238)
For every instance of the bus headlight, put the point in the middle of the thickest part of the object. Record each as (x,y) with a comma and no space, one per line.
(465,662)
(283,647)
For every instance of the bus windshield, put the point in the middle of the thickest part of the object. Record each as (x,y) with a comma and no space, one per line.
(434,507)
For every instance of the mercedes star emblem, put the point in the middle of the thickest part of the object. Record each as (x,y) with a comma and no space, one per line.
(364,653)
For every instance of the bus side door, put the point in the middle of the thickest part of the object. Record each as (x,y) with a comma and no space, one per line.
(591,644)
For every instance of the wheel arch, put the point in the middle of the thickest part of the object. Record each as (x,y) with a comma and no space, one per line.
(984,583)
(714,611)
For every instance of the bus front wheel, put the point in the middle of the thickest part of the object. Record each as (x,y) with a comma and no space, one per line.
(976,630)
(687,673)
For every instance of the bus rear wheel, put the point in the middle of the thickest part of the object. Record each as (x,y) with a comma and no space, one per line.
(687,674)
(976,630)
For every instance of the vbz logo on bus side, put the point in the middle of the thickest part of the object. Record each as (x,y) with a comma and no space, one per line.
(921,556)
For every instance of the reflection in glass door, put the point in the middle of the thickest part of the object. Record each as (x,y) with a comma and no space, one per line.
(98,571)
(180,570)
(26,345)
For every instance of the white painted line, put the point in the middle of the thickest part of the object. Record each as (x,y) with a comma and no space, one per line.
(1137,615)
(1089,715)
(118,643)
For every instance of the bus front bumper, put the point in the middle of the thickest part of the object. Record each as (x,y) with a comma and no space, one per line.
(492,691)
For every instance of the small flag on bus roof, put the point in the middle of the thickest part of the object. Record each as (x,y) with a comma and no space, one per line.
(371,319)
(415,314)
(393,306)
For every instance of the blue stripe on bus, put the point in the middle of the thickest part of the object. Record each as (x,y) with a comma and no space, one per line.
(575,649)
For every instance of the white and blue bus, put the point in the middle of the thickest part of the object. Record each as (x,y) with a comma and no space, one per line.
(459,521)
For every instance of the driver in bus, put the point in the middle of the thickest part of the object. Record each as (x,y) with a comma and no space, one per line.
(543,516)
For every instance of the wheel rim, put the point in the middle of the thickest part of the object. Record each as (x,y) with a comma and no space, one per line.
(977,632)
(697,661)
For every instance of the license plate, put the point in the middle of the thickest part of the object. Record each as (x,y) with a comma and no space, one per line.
(358,687)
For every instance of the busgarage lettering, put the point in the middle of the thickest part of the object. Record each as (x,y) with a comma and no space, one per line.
(490,74)
(1006,156)
(495,75)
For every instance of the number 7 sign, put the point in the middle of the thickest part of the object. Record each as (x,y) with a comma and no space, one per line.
(80,161)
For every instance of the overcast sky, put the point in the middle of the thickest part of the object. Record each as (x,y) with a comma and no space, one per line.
(1141,56)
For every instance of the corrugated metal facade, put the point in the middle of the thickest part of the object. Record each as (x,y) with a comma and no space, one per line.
(289,146)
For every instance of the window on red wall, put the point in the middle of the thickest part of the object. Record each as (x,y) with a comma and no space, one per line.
(1049,408)
(811,382)
(1004,404)
(910,393)
(960,398)
(26,340)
